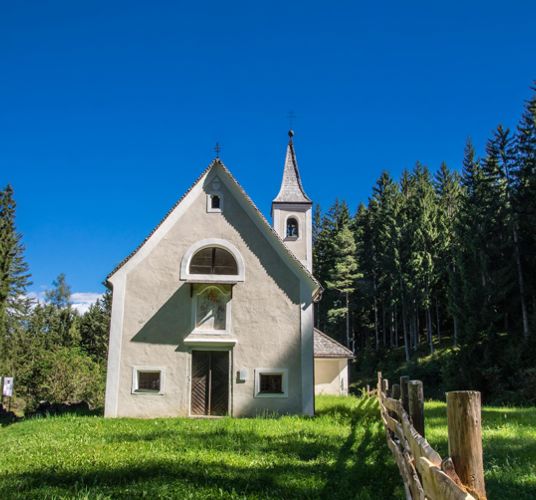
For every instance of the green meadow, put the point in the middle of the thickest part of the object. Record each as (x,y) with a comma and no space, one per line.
(509,443)
(340,453)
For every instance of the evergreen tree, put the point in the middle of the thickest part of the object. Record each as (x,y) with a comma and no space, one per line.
(363,294)
(60,295)
(524,203)
(424,244)
(343,273)
(405,273)
(470,261)
(14,271)
(61,320)
(386,228)
(95,328)
(449,193)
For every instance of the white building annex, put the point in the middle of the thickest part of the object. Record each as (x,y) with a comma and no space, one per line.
(331,365)
(213,313)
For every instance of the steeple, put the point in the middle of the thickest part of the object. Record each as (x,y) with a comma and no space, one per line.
(291,210)
(291,187)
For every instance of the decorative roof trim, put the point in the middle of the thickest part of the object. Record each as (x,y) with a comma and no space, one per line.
(273,232)
(169,212)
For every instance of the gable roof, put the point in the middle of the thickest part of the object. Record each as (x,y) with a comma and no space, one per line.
(291,190)
(327,347)
(269,231)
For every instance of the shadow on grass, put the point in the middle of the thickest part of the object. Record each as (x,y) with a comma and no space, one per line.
(302,445)
(301,463)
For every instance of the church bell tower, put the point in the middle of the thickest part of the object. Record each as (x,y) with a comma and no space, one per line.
(292,211)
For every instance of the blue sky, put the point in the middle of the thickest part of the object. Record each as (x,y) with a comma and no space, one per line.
(109,110)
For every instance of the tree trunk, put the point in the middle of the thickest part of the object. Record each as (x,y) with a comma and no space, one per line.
(521,283)
(438,321)
(376,314)
(418,328)
(455,337)
(416,338)
(384,330)
(396,327)
(392,330)
(347,321)
(377,333)
(405,330)
(414,330)
(429,328)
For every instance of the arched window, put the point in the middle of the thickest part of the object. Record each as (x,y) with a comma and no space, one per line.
(215,202)
(292,228)
(213,260)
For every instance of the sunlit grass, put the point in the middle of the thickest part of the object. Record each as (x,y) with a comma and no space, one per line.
(341,453)
(509,443)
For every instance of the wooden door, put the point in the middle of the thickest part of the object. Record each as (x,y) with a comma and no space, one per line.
(210,383)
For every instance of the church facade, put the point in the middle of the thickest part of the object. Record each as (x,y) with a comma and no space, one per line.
(213,313)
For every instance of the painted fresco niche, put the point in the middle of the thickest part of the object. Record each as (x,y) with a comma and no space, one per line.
(211,308)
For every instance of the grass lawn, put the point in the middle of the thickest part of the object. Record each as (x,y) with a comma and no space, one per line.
(341,453)
(509,440)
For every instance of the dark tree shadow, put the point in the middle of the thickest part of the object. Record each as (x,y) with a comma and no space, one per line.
(316,464)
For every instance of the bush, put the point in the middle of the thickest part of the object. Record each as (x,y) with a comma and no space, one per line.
(63,375)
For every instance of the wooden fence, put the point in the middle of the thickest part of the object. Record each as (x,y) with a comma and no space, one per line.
(424,473)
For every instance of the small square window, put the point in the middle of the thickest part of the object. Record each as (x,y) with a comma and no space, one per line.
(215,201)
(147,380)
(271,383)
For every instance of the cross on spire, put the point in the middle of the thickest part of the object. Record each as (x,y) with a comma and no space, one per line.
(217,149)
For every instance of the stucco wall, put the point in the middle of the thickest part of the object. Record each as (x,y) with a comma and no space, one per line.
(302,246)
(265,312)
(331,376)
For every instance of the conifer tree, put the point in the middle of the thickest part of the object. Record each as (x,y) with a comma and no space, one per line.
(524,201)
(14,273)
(60,295)
(95,328)
(405,278)
(470,256)
(344,271)
(372,262)
(387,197)
(425,235)
(363,293)
(449,194)
(61,319)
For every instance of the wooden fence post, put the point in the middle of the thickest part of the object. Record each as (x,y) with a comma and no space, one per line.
(465,439)
(404,380)
(416,405)
(395,391)
(385,386)
(379,387)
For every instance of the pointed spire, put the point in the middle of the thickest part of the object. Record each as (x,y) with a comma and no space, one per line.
(291,187)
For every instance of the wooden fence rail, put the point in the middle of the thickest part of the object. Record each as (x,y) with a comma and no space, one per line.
(424,473)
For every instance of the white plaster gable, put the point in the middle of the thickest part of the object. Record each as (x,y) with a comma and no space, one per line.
(215,174)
